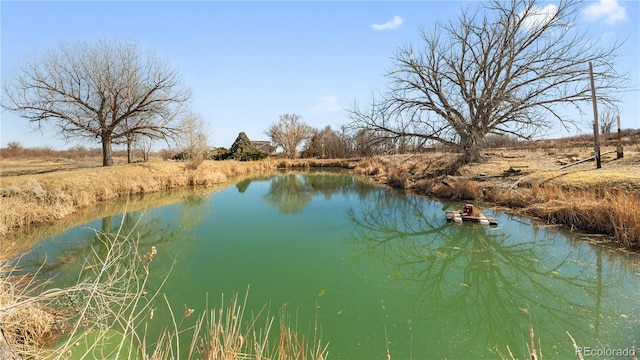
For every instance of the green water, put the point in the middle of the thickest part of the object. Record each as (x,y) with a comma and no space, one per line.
(378,268)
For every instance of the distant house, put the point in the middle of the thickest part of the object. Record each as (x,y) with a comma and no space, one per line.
(264,146)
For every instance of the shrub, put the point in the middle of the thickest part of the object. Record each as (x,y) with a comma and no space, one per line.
(250,155)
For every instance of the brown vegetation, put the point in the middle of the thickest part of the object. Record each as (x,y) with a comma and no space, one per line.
(26,326)
(52,196)
(528,181)
(602,201)
(231,338)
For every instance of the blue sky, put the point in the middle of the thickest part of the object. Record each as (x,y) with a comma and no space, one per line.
(246,63)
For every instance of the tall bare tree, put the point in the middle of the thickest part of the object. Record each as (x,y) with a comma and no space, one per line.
(289,133)
(329,143)
(144,144)
(193,141)
(508,68)
(104,90)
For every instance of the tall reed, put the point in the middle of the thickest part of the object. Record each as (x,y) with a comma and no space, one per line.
(233,335)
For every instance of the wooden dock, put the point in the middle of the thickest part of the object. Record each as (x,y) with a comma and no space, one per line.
(458,217)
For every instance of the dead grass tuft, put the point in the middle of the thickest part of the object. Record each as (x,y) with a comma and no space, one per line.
(106,304)
(233,336)
(615,212)
(24,328)
(398,180)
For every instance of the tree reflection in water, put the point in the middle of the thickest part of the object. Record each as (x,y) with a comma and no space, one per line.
(481,283)
(476,284)
(288,193)
(291,192)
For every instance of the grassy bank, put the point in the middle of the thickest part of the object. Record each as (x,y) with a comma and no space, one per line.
(44,198)
(48,197)
(601,201)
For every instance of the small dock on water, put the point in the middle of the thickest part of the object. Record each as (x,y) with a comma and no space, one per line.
(469,214)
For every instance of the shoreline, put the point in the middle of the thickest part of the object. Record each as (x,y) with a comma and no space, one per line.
(600,202)
(35,200)
(47,198)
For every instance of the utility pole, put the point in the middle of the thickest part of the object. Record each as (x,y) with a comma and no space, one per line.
(619,150)
(596,132)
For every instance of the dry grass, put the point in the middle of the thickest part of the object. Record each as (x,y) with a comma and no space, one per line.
(17,242)
(313,163)
(25,327)
(615,212)
(30,161)
(603,201)
(48,197)
(232,336)
(535,186)
(26,315)
(107,296)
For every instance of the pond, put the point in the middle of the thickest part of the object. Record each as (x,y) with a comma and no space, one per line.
(378,269)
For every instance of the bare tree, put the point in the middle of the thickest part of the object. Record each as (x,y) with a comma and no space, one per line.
(289,133)
(144,144)
(193,141)
(507,68)
(328,143)
(14,145)
(146,129)
(606,119)
(105,91)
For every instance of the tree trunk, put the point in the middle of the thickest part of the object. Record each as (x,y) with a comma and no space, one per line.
(129,157)
(471,146)
(107,158)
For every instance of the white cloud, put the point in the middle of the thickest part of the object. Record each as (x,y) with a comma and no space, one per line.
(328,103)
(389,25)
(610,10)
(539,16)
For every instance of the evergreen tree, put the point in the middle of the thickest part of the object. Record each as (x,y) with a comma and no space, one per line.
(242,145)
(243,150)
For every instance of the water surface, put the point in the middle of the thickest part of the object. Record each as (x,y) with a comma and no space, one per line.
(379,269)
